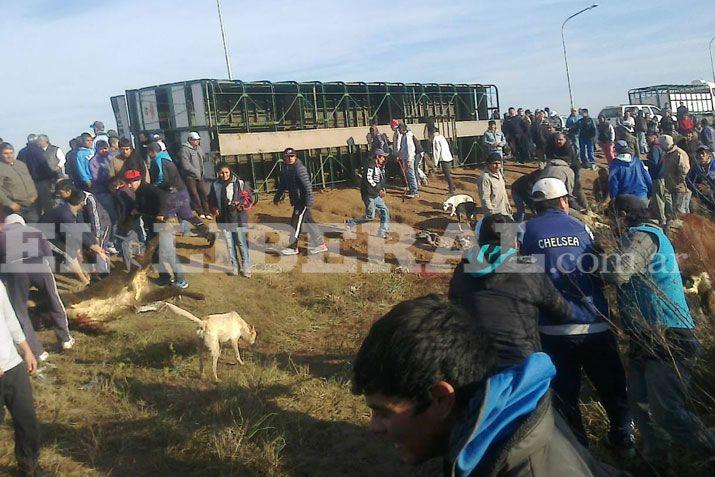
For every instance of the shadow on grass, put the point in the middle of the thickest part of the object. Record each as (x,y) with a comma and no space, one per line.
(159,355)
(223,430)
(321,366)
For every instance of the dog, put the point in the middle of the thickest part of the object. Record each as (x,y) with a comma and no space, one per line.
(216,329)
(461,205)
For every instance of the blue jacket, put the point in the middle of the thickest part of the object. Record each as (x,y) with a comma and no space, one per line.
(572,124)
(82,175)
(658,297)
(566,246)
(627,175)
(698,174)
(62,214)
(655,162)
(495,412)
(34,158)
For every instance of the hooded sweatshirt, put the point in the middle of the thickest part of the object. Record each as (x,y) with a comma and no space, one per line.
(164,174)
(496,288)
(82,175)
(100,169)
(627,175)
(509,428)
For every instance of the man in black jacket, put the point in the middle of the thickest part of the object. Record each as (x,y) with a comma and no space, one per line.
(153,206)
(586,138)
(500,294)
(539,135)
(372,190)
(521,193)
(165,175)
(295,179)
(559,147)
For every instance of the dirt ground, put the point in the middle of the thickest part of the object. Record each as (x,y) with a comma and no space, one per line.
(128,400)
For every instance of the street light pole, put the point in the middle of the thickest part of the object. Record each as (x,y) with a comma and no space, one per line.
(712,65)
(563,42)
(223,37)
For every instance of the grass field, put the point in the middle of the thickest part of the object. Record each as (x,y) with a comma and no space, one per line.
(129,401)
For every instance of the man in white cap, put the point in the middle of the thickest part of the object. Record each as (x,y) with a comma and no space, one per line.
(191,158)
(26,256)
(585,344)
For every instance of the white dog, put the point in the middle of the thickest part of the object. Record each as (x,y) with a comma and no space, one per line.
(216,329)
(460,205)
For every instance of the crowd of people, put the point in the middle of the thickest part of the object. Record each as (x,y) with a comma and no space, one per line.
(468,378)
(69,214)
(471,378)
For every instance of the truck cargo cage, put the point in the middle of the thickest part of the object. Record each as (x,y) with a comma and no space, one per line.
(250,123)
(698,97)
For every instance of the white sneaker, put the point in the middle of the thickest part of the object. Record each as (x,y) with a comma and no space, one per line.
(289,251)
(44,356)
(68,344)
(322,248)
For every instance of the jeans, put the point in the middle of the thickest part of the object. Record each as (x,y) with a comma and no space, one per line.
(168,259)
(447,171)
(16,395)
(417,164)
(371,205)
(642,143)
(681,202)
(658,395)
(597,356)
(236,243)
(661,203)
(576,145)
(608,152)
(411,173)
(586,147)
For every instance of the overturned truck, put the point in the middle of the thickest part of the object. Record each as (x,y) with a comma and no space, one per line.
(250,123)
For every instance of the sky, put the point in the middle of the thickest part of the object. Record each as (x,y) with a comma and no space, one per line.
(63,59)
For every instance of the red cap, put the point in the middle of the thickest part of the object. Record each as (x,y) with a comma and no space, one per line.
(132,175)
(394,123)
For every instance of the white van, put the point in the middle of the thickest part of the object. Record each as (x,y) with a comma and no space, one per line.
(615,113)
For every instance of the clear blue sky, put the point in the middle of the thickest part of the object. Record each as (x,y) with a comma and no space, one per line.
(63,59)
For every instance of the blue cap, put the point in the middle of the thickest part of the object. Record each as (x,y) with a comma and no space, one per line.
(378,153)
(622,146)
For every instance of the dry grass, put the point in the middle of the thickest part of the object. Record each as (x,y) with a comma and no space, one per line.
(128,400)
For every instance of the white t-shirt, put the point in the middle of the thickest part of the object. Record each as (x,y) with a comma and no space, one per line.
(10,333)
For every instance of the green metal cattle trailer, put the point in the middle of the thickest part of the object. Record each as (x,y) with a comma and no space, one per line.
(249,124)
